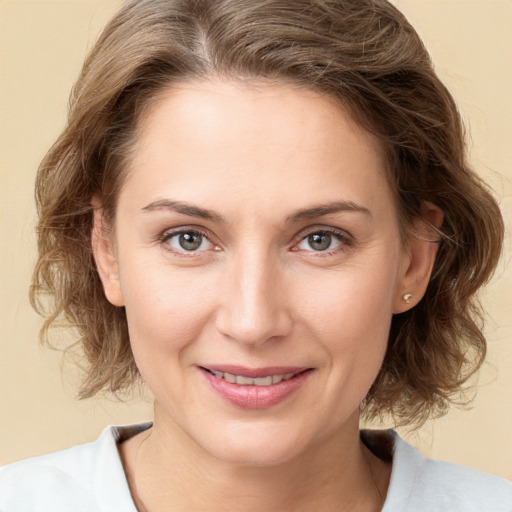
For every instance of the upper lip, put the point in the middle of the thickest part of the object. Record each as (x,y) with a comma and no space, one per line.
(254,372)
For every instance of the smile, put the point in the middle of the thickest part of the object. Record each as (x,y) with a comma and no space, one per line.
(251,381)
(260,388)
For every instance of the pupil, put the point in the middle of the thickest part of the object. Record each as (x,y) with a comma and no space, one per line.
(190,241)
(319,242)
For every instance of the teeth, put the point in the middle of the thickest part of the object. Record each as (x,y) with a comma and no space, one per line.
(244,381)
(229,377)
(263,381)
(249,381)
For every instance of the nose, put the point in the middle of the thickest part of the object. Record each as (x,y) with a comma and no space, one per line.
(253,306)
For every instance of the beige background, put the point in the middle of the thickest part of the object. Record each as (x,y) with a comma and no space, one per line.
(42,44)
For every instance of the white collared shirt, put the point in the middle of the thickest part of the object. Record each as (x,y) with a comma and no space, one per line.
(90,478)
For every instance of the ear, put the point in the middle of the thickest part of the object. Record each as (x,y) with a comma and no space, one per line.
(419,258)
(105,258)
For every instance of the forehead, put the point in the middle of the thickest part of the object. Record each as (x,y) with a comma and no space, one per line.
(215,139)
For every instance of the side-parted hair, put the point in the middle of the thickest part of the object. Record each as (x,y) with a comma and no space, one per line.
(362,53)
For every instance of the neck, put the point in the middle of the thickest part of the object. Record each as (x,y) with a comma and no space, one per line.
(168,471)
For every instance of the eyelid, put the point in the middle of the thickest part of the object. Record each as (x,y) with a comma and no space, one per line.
(167,234)
(345,237)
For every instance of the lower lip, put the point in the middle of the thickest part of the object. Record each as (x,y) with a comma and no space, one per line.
(256,397)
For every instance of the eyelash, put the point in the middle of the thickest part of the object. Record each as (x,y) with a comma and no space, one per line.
(167,235)
(343,237)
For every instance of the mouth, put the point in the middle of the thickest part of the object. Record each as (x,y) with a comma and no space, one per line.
(245,380)
(255,388)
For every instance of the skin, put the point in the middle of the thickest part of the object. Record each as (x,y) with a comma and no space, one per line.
(257,294)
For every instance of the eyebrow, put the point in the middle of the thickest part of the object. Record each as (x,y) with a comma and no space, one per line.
(299,216)
(185,209)
(326,209)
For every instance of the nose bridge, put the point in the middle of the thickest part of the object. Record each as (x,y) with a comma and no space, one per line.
(254,308)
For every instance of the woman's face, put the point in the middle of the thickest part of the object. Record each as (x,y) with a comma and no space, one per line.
(258,256)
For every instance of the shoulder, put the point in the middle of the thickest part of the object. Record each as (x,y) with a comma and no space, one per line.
(419,484)
(84,478)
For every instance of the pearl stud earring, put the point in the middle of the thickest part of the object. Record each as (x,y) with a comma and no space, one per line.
(407,298)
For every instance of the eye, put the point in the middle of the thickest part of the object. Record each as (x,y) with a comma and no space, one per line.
(188,241)
(322,241)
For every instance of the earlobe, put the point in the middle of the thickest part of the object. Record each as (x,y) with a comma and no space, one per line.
(419,258)
(104,256)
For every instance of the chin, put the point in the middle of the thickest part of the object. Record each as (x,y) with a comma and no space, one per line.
(254,446)
(254,454)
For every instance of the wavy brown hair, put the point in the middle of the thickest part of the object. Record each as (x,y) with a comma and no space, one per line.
(364,54)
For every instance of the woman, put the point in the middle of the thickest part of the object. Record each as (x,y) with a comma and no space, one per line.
(263,210)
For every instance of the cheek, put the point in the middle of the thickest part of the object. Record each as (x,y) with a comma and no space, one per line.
(166,309)
(349,301)
(349,312)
